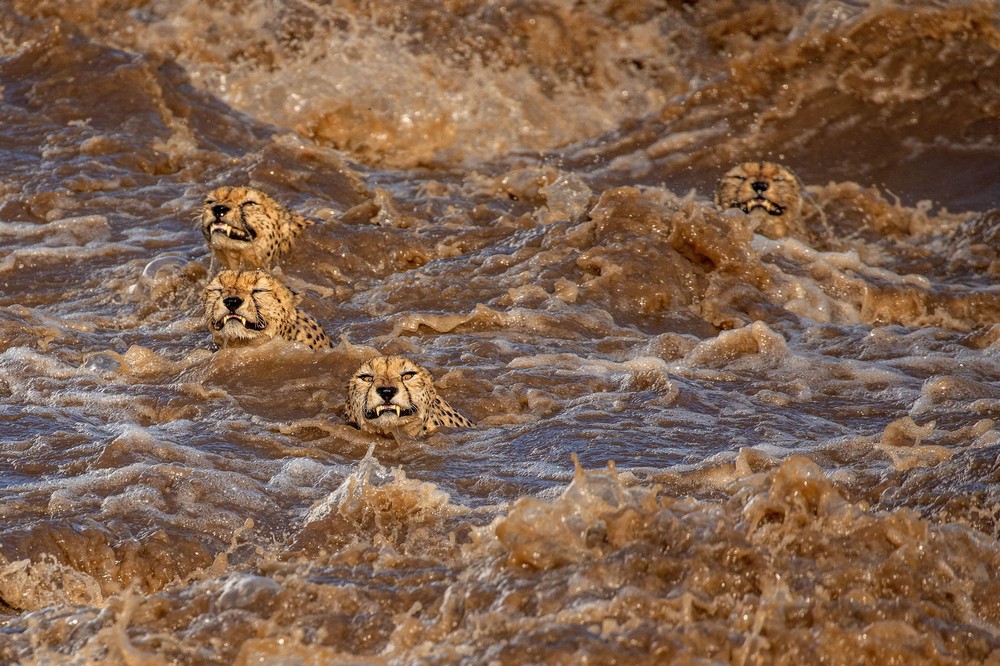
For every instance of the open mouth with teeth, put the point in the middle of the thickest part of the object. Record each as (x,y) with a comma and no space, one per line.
(381,410)
(245,235)
(760,202)
(219,324)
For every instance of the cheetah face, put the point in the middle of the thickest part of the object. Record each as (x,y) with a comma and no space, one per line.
(245,228)
(760,186)
(247,307)
(390,393)
(232,215)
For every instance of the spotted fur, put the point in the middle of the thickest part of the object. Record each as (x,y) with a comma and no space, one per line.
(392,395)
(245,308)
(245,228)
(768,191)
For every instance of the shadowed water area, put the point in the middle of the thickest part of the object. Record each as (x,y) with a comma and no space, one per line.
(694,443)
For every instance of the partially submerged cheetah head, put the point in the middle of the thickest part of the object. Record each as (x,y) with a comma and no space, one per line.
(246,308)
(245,228)
(761,187)
(392,395)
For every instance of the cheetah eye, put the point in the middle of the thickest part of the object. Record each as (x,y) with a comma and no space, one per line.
(249,203)
(261,291)
(409,374)
(366,378)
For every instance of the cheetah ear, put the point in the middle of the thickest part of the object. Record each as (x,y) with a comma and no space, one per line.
(297,297)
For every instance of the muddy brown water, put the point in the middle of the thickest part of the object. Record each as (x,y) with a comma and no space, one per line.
(695,444)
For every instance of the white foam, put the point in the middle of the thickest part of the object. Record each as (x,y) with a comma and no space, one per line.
(244,590)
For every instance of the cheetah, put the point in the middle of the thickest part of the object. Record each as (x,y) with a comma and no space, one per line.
(246,308)
(769,192)
(392,395)
(247,229)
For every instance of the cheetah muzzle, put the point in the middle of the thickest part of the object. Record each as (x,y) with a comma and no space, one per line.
(244,235)
(257,325)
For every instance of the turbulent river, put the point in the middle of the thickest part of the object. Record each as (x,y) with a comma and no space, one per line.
(694,443)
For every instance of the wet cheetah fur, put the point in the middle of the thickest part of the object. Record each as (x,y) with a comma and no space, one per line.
(246,308)
(392,395)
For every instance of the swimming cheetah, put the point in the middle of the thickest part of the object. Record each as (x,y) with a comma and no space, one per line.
(246,308)
(769,192)
(392,395)
(245,228)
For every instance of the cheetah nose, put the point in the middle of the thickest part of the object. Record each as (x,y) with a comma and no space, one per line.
(386,392)
(219,210)
(232,302)
(759,186)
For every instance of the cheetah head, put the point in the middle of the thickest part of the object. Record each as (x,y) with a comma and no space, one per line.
(392,395)
(760,186)
(247,307)
(241,225)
